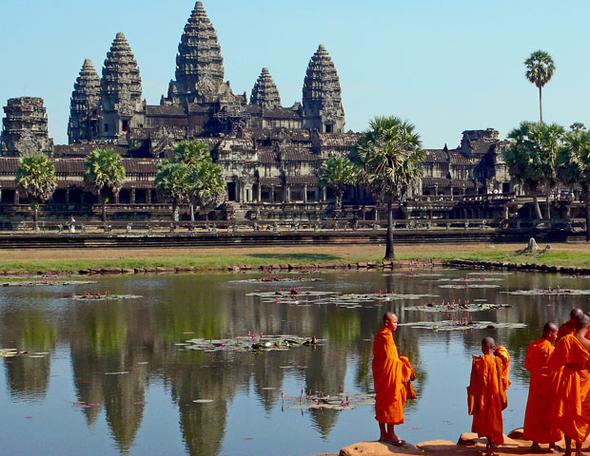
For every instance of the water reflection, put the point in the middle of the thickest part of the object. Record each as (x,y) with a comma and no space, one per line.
(119,350)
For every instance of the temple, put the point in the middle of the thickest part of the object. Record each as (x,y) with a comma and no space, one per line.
(270,153)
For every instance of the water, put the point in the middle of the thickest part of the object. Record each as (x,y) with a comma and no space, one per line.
(64,403)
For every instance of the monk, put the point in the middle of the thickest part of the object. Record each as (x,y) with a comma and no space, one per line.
(537,419)
(571,405)
(486,393)
(569,327)
(392,375)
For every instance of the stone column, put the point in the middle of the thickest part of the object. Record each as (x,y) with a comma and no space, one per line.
(259,193)
(132,196)
(305,193)
(436,190)
(68,196)
(148,196)
(116,198)
(324,194)
(451,191)
(16,197)
(272,193)
(0,196)
(288,199)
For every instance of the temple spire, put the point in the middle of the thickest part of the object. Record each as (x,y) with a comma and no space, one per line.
(322,99)
(83,124)
(265,92)
(199,64)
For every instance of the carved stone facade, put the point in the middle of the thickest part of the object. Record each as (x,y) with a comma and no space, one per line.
(270,154)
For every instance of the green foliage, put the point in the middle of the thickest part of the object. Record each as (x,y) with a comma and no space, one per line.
(36,176)
(539,68)
(207,184)
(338,173)
(104,170)
(192,152)
(574,158)
(389,158)
(532,156)
(173,180)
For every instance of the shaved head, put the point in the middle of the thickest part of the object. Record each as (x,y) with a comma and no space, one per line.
(582,322)
(488,345)
(390,321)
(388,316)
(576,313)
(549,328)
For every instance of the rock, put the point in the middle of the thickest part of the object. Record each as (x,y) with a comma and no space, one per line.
(139,270)
(517,434)
(128,271)
(361,265)
(184,269)
(378,449)
(284,267)
(467,439)
(110,271)
(371,265)
(149,270)
(438,446)
(161,270)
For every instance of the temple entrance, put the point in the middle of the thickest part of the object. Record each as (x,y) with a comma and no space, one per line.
(231,191)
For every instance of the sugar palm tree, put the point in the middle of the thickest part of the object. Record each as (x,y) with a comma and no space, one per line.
(539,71)
(338,173)
(36,177)
(207,185)
(173,181)
(104,170)
(532,158)
(389,156)
(574,165)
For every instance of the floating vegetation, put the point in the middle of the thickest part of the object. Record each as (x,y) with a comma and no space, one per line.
(342,401)
(471,279)
(548,292)
(447,307)
(461,325)
(97,296)
(277,280)
(252,343)
(117,373)
(46,283)
(414,275)
(203,401)
(9,352)
(490,273)
(469,285)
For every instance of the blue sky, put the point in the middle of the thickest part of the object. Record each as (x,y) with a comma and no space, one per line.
(445,65)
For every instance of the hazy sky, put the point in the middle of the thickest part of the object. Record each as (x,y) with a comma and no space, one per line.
(445,65)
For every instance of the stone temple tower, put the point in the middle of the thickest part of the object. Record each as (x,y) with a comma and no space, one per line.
(84,124)
(199,65)
(24,129)
(265,92)
(322,99)
(120,91)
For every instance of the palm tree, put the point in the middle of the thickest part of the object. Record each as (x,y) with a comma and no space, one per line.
(36,176)
(192,152)
(532,158)
(389,157)
(173,181)
(207,185)
(338,173)
(574,165)
(539,71)
(104,170)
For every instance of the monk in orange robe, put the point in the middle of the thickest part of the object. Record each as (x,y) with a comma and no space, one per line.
(569,327)
(392,375)
(486,393)
(538,419)
(571,405)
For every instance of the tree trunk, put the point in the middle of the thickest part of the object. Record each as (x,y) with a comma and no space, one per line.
(339,195)
(541,104)
(587,219)
(103,202)
(36,216)
(548,202)
(537,208)
(389,253)
(192,207)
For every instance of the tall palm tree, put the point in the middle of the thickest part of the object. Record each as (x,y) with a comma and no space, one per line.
(539,71)
(532,158)
(338,173)
(574,165)
(207,185)
(389,156)
(173,181)
(36,176)
(104,170)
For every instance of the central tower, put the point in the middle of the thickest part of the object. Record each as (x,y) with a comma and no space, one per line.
(199,65)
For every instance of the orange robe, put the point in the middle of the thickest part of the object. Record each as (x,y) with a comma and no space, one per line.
(391,375)
(486,394)
(568,327)
(571,404)
(538,421)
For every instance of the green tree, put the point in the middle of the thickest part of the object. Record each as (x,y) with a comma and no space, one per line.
(192,152)
(36,177)
(389,156)
(207,185)
(338,173)
(173,181)
(539,71)
(532,158)
(104,171)
(574,165)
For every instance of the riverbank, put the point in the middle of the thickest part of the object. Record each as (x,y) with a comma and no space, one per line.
(113,260)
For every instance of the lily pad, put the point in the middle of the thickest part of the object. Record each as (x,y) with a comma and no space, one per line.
(203,401)
(252,343)
(549,292)
(445,308)
(459,325)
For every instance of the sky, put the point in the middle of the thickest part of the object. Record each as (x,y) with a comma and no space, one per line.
(445,65)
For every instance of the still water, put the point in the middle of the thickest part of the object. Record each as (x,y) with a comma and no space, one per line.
(108,378)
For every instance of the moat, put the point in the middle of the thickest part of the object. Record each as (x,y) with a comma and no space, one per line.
(112,376)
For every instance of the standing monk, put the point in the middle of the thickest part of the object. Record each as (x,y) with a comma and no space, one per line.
(486,393)
(571,405)
(569,327)
(537,419)
(392,375)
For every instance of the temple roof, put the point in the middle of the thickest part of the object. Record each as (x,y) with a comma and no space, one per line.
(265,92)
(86,94)
(199,64)
(321,80)
(121,80)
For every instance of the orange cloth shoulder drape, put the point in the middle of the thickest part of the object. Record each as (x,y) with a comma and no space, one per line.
(538,421)
(571,405)
(391,375)
(486,394)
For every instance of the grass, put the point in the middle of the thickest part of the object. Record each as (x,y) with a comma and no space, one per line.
(73,260)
